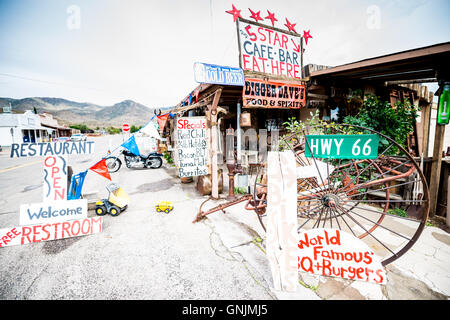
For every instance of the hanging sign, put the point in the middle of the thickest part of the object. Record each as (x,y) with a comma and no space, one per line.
(269,50)
(273,94)
(210,73)
(334,253)
(336,146)
(43,149)
(55,178)
(50,231)
(191,148)
(55,211)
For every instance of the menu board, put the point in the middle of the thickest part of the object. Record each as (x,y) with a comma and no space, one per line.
(191,154)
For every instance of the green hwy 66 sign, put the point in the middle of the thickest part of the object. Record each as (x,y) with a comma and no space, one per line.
(336,146)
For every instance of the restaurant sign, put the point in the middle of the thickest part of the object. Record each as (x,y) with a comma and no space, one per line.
(269,50)
(211,73)
(273,94)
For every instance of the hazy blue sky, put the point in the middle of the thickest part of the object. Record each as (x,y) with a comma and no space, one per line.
(105,51)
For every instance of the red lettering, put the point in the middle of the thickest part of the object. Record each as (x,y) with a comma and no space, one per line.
(289,69)
(54,171)
(25,233)
(44,228)
(245,58)
(252,35)
(277,38)
(263,36)
(54,161)
(88,226)
(317,251)
(59,194)
(35,233)
(65,227)
(5,239)
(284,39)
(255,64)
(76,223)
(297,71)
(379,274)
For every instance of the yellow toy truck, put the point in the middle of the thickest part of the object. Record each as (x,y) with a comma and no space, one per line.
(165,206)
(116,203)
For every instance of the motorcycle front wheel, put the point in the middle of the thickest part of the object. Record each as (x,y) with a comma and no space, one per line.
(153,163)
(113,164)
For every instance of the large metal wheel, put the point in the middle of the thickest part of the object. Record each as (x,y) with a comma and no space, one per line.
(383,201)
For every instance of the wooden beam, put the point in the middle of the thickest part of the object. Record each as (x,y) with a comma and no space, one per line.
(425,118)
(436,165)
(212,110)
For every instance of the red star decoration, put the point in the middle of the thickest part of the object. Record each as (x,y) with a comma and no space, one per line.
(235,12)
(306,35)
(290,26)
(255,16)
(271,17)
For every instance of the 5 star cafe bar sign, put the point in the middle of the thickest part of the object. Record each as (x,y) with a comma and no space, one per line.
(269,50)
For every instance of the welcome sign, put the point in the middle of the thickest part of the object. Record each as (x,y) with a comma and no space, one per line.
(53,211)
(269,50)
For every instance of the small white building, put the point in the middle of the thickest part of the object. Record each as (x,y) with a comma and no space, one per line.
(20,128)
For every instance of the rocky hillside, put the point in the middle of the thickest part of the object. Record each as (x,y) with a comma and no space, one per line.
(70,112)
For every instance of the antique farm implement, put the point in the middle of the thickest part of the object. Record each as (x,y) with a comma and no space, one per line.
(383,200)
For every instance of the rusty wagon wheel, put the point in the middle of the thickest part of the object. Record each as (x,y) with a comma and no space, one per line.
(383,201)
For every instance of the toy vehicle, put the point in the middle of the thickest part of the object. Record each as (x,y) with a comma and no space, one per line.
(165,206)
(78,137)
(116,203)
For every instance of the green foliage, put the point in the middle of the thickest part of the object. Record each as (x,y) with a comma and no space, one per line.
(134,128)
(82,127)
(112,130)
(395,122)
(168,157)
(398,212)
(294,126)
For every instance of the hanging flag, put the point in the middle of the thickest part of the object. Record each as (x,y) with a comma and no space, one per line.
(162,121)
(190,99)
(101,168)
(150,129)
(131,146)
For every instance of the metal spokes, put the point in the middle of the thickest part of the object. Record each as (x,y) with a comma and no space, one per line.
(383,201)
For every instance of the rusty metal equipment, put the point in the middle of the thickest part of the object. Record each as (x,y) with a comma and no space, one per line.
(358,196)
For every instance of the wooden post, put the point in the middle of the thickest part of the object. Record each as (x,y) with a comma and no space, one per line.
(212,108)
(282,237)
(426,116)
(436,164)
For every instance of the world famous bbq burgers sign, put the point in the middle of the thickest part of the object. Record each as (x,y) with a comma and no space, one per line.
(331,252)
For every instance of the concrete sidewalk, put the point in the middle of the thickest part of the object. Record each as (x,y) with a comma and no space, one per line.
(422,273)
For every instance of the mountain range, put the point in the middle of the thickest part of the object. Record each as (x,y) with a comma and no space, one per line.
(70,112)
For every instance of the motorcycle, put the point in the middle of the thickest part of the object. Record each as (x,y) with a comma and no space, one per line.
(153,160)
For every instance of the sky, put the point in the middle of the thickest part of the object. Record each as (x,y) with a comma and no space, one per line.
(107,51)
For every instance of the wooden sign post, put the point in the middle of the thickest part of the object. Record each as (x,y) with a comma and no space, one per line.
(282,250)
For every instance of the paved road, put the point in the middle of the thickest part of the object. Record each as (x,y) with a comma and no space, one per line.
(139,255)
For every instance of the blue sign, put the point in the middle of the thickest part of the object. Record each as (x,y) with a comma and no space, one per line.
(210,73)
